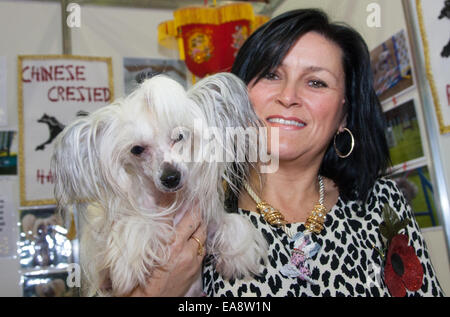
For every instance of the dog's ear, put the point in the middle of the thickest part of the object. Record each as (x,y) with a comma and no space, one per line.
(223,97)
(76,160)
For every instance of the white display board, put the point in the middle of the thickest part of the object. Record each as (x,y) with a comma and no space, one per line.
(434,25)
(3,105)
(53,90)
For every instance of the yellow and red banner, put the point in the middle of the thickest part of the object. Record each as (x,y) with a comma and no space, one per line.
(209,37)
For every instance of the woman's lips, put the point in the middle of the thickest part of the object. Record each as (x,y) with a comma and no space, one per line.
(287,123)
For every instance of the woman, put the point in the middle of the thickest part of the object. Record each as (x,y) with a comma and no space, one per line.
(312,80)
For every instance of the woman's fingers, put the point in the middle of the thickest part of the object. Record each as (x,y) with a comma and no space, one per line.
(197,241)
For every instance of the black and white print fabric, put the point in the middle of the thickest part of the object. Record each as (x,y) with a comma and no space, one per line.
(347,263)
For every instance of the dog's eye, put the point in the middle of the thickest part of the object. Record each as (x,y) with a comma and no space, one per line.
(179,138)
(179,134)
(137,150)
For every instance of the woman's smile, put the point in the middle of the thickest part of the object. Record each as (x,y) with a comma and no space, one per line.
(286,123)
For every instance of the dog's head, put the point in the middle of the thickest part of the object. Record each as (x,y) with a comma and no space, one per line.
(149,143)
(124,149)
(162,122)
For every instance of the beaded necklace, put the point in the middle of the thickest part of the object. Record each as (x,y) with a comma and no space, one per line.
(274,217)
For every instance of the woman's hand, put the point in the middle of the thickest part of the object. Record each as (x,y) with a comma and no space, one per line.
(183,267)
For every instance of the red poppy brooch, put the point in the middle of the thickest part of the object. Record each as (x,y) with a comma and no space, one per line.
(403,270)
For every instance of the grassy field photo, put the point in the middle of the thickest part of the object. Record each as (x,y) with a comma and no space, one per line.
(415,191)
(403,133)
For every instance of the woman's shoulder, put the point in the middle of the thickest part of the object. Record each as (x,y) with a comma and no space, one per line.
(384,182)
(384,192)
(386,188)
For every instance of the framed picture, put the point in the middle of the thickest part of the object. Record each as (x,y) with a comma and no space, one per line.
(136,70)
(44,239)
(54,90)
(47,284)
(403,133)
(433,18)
(416,186)
(8,153)
(391,66)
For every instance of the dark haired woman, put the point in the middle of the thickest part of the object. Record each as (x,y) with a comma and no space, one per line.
(334,226)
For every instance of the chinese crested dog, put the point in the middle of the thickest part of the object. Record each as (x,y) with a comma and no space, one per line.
(126,158)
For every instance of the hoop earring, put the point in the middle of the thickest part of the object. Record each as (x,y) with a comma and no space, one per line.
(338,153)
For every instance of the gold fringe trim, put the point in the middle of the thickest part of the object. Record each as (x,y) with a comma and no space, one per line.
(213,15)
(258,21)
(207,15)
(72,231)
(181,48)
(166,34)
(169,31)
(440,118)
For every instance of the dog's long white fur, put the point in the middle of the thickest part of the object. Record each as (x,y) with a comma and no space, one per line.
(126,230)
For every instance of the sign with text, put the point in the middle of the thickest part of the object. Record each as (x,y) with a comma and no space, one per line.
(53,91)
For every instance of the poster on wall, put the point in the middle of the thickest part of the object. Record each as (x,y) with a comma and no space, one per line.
(47,284)
(8,152)
(44,239)
(3,100)
(135,70)
(391,66)
(403,133)
(432,16)
(415,184)
(53,90)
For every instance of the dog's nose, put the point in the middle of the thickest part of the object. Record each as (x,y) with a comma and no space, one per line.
(170,177)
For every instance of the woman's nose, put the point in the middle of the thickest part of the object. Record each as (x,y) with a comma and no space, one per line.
(288,95)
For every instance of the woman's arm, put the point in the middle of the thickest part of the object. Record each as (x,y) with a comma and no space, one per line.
(430,285)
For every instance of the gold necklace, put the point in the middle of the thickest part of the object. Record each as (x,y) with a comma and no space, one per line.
(314,223)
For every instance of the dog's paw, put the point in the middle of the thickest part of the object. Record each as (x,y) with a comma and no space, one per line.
(238,248)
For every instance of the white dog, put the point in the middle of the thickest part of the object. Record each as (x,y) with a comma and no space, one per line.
(127,157)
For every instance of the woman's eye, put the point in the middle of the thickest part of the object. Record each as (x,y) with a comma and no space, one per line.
(317,84)
(137,150)
(271,76)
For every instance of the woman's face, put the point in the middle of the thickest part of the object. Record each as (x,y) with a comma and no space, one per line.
(304,97)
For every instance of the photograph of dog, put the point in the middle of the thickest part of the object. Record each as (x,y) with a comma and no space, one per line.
(43,241)
(119,164)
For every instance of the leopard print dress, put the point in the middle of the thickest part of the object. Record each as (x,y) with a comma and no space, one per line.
(345,262)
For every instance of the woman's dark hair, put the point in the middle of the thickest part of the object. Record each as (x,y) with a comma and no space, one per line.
(266,48)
